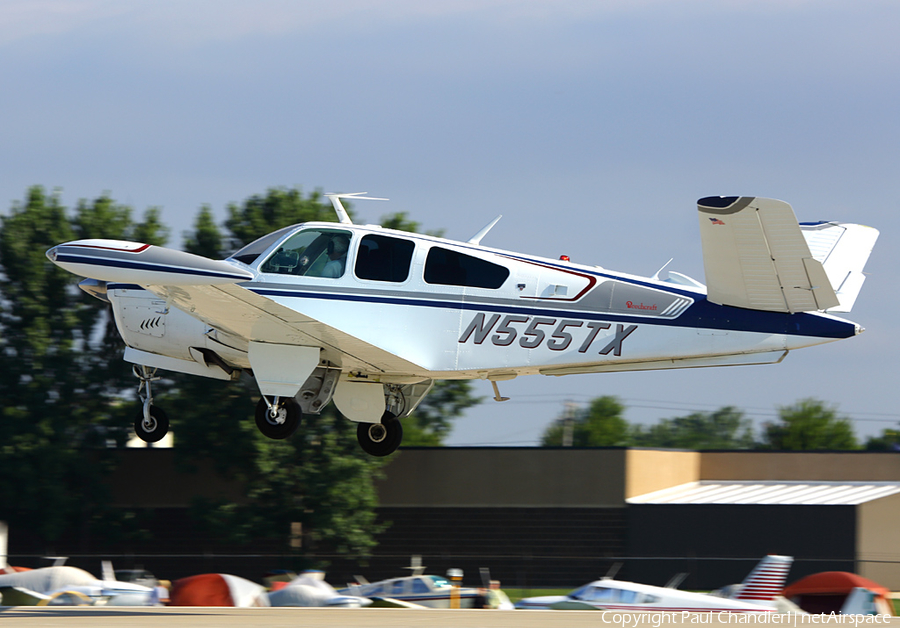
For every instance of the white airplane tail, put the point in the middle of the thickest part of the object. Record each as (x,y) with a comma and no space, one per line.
(843,250)
(766,581)
(757,256)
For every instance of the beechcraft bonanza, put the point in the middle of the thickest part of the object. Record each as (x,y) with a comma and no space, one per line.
(370,318)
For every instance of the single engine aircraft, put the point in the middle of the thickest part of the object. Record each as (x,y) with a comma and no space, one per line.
(758,593)
(370,318)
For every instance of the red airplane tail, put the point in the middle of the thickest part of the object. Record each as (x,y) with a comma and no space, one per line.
(766,581)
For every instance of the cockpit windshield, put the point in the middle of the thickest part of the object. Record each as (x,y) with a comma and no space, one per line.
(311,253)
(249,253)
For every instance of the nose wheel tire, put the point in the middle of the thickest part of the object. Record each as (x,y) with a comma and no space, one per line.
(380,439)
(153,428)
(283,423)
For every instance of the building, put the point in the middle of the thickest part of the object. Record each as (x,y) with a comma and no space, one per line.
(558,517)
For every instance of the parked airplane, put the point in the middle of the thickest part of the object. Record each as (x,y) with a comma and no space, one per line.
(756,594)
(310,589)
(370,317)
(419,589)
(64,585)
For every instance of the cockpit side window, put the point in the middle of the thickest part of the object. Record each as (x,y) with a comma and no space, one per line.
(451,268)
(383,258)
(311,253)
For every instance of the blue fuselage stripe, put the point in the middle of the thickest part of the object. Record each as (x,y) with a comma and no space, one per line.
(700,315)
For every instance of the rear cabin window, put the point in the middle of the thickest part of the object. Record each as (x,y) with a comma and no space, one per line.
(450,268)
(382,258)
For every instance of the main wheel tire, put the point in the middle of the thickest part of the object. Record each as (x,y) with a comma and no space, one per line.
(154,429)
(283,424)
(379,439)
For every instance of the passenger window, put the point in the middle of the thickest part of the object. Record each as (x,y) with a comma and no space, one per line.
(450,268)
(382,258)
(420,586)
(602,594)
(627,597)
(311,253)
(399,587)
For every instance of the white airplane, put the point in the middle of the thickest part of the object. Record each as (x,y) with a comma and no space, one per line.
(758,593)
(369,317)
(310,589)
(420,589)
(64,585)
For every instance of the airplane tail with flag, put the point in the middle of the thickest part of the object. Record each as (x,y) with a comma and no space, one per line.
(766,582)
(757,256)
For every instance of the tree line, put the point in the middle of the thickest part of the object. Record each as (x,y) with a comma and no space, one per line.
(808,424)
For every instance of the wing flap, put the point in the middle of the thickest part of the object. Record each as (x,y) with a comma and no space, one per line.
(756,257)
(241,312)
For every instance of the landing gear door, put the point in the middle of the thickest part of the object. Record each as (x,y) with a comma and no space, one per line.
(362,402)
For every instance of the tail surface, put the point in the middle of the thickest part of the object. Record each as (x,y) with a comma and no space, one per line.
(766,581)
(843,249)
(757,256)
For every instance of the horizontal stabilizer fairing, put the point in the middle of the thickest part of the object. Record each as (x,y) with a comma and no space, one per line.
(755,257)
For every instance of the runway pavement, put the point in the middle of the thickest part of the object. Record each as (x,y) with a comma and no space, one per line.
(177,617)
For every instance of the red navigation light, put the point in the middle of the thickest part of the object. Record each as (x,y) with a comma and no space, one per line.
(564,258)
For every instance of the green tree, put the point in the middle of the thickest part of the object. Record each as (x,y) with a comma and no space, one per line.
(150,230)
(279,207)
(726,428)
(809,424)
(206,239)
(889,440)
(431,422)
(49,401)
(599,425)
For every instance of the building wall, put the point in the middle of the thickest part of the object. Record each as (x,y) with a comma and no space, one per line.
(697,538)
(505,477)
(878,541)
(649,470)
(778,465)
(150,478)
(522,547)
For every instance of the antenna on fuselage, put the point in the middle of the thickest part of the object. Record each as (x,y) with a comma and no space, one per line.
(343,216)
(476,239)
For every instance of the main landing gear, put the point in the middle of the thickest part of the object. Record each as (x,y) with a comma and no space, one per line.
(278,419)
(151,423)
(380,439)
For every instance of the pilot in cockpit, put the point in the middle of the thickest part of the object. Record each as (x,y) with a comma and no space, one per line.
(337,256)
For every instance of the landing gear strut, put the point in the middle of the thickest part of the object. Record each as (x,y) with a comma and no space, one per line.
(278,419)
(380,439)
(151,423)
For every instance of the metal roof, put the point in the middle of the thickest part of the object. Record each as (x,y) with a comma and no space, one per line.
(770,492)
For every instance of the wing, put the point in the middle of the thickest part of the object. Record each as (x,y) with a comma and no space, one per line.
(756,257)
(20,596)
(243,313)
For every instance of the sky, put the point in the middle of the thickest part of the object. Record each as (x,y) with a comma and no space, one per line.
(591,126)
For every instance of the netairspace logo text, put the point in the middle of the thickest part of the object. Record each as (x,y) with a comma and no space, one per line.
(643,620)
